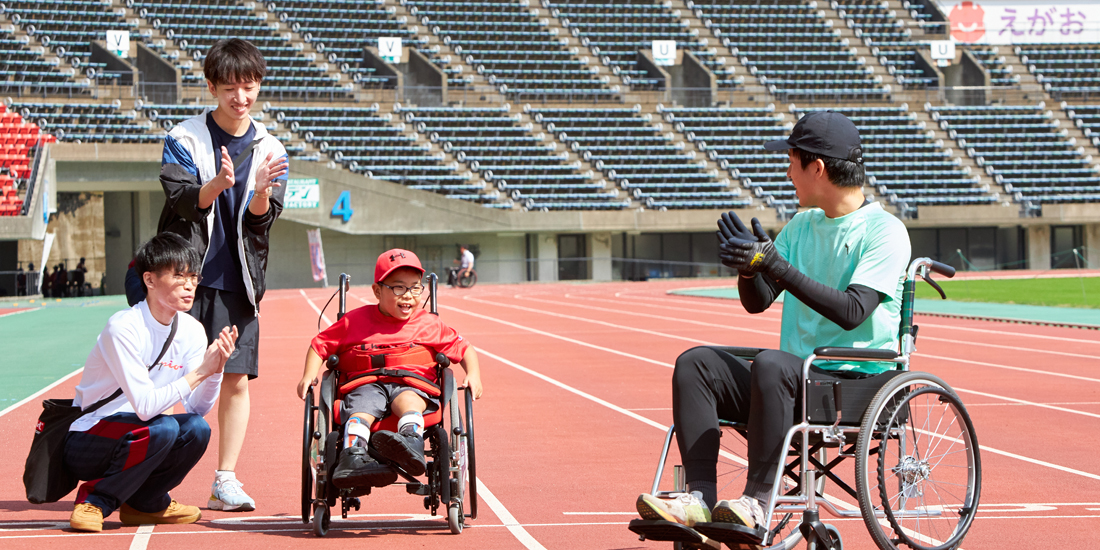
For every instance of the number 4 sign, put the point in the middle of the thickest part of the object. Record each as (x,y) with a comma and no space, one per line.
(342,208)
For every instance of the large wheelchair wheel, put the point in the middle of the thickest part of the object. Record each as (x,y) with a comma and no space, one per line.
(732,470)
(457,470)
(918,467)
(307,463)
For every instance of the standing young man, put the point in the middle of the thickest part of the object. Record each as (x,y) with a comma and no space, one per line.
(842,263)
(222,173)
(132,450)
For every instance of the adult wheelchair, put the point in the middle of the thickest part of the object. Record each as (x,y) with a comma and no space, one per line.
(917,475)
(448,434)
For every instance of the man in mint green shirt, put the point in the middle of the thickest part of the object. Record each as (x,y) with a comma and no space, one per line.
(842,263)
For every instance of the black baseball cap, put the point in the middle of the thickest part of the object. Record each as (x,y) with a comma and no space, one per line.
(826,133)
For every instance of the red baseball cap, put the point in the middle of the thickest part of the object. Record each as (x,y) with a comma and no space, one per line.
(390,260)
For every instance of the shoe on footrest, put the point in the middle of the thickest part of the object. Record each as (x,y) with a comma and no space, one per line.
(404,448)
(357,469)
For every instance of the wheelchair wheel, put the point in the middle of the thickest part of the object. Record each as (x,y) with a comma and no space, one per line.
(307,464)
(917,465)
(470,470)
(732,469)
(322,518)
(467,280)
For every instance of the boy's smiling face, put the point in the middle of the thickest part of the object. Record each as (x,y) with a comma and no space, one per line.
(399,307)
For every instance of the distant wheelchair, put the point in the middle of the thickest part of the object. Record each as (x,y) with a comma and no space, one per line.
(448,434)
(917,476)
(457,277)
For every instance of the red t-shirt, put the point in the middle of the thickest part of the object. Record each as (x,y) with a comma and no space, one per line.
(367,325)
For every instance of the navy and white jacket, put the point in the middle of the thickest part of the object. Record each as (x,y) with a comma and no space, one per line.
(189,162)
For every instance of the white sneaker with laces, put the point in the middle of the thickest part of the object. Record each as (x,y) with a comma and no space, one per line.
(228,495)
(683,508)
(743,511)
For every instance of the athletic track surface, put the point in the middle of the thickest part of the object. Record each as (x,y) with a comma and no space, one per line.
(576,403)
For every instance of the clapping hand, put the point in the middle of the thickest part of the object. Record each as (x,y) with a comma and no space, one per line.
(268,172)
(226,177)
(219,351)
(748,253)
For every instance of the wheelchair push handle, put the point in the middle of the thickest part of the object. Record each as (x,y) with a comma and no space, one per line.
(942,269)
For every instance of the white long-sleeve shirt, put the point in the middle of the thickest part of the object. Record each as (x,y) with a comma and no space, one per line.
(123,352)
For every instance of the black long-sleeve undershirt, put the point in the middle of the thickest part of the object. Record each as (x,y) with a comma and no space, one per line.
(848,309)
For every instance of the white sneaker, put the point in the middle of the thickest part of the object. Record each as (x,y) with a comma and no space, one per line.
(743,511)
(229,496)
(683,508)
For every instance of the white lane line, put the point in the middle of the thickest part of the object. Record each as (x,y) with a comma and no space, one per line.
(1032,403)
(1014,348)
(632,314)
(314,306)
(141,539)
(559,337)
(20,311)
(571,389)
(771,318)
(507,518)
(691,321)
(1006,367)
(39,393)
(1010,333)
(662,427)
(770,333)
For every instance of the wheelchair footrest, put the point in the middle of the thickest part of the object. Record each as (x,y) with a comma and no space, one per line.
(731,534)
(665,531)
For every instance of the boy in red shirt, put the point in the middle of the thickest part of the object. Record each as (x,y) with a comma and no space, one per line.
(397,321)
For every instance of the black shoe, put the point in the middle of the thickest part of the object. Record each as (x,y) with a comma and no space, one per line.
(406,449)
(357,469)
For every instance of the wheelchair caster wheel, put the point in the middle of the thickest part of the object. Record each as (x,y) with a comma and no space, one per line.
(454,518)
(321,519)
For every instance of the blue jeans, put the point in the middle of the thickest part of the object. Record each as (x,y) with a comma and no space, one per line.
(125,459)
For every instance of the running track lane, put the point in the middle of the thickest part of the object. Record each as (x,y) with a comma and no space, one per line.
(567,467)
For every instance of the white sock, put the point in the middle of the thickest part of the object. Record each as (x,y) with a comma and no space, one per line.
(224,475)
(415,419)
(356,432)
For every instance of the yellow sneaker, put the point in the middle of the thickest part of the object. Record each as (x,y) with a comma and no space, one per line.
(86,517)
(174,514)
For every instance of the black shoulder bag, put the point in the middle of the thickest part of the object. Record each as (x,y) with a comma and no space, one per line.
(45,476)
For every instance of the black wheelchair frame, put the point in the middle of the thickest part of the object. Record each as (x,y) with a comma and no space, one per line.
(452,465)
(895,478)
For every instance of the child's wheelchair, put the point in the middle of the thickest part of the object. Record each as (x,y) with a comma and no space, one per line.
(917,464)
(451,473)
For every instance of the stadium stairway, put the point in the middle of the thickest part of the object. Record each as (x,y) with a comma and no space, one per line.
(857,45)
(445,51)
(751,81)
(965,160)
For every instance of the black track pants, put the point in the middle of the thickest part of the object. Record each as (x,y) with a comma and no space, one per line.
(709,384)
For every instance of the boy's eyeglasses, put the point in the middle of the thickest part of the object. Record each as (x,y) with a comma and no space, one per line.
(400,290)
(182,279)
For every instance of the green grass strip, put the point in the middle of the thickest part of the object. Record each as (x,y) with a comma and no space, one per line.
(1062,292)
(39,347)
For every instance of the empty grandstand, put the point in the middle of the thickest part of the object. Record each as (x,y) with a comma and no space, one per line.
(554,120)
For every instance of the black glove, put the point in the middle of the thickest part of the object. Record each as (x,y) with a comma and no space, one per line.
(731,227)
(758,255)
(732,233)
